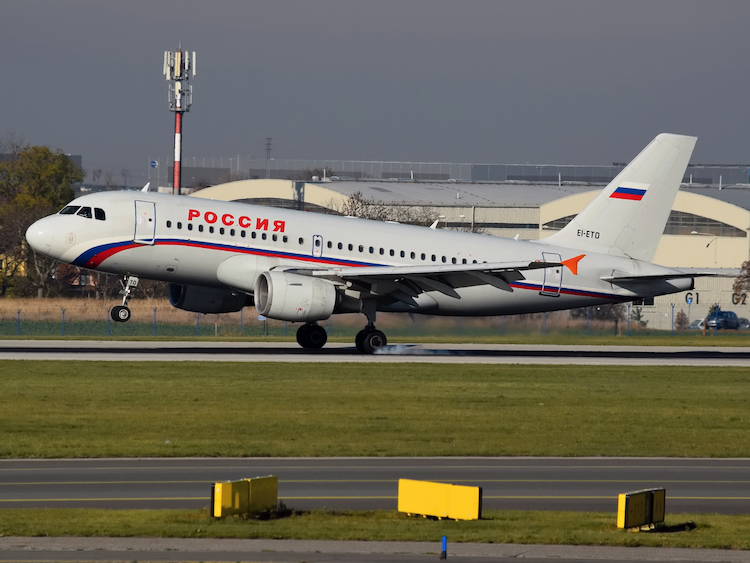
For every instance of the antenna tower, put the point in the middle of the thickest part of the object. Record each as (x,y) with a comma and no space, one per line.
(178,66)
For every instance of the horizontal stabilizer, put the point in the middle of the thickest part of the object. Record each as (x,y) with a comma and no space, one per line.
(658,277)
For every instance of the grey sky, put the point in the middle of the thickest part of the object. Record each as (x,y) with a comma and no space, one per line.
(542,81)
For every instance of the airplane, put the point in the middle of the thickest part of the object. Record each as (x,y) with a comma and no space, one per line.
(218,257)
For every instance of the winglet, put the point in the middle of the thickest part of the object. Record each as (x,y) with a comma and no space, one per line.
(572,264)
(145,188)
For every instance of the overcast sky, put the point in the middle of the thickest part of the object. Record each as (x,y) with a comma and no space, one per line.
(540,81)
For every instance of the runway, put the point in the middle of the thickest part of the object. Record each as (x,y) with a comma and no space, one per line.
(575,484)
(99,350)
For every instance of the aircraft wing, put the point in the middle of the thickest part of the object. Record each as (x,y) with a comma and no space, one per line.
(406,282)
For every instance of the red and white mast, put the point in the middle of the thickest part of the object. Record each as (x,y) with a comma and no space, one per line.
(178,65)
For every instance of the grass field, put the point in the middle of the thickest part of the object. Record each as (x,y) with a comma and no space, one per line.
(93,409)
(521,527)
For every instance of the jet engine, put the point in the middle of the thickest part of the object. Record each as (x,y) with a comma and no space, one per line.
(292,297)
(200,299)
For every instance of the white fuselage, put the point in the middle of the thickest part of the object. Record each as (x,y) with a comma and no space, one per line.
(185,240)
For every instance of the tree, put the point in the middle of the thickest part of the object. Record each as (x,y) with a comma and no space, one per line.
(636,315)
(356,205)
(742,282)
(35,182)
(681,321)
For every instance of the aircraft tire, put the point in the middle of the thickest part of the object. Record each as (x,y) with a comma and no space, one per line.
(120,314)
(359,339)
(317,337)
(373,340)
(311,336)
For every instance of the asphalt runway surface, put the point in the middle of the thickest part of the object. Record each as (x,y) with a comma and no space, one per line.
(335,352)
(287,551)
(577,484)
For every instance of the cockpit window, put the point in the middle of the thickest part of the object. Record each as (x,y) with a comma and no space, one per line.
(70,209)
(85,212)
(99,214)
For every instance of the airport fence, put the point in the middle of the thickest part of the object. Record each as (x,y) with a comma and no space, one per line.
(90,318)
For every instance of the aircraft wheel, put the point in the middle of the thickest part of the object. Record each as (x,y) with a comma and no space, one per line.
(372,341)
(317,337)
(311,336)
(359,339)
(120,314)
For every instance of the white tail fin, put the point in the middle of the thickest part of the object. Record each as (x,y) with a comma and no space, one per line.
(629,216)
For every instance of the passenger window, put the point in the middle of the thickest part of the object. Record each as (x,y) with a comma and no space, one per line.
(433,257)
(253,234)
(190,226)
(330,244)
(372,250)
(351,247)
(221,230)
(340,246)
(423,256)
(231,232)
(99,214)
(263,236)
(403,254)
(393,252)
(361,248)
(179,225)
(242,234)
(210,229)
(85,212)
(443,259)
(200,228)
(453,260)
(275,237)
(301,240)
(285,238)
(169,224)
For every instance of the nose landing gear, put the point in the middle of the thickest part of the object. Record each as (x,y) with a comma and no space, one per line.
(121,313)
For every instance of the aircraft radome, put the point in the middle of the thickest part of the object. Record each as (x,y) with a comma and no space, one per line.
(219,257)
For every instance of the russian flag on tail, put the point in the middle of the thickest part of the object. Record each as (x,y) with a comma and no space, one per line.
(630,191)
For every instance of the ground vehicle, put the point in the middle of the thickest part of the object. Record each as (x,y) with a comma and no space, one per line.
(723,320)
(744,323)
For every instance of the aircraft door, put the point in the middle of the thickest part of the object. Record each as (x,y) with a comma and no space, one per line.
(552,276)
(145,222)
(317,248)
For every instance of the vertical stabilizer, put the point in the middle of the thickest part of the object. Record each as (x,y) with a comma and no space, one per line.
(629,215)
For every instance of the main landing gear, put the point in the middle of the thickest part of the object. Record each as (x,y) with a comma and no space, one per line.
(369,338)
(312,336)
(121,313)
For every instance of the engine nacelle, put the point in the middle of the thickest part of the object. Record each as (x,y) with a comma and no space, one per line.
(199,299)
(292,297)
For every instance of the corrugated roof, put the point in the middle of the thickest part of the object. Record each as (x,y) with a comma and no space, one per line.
(501,194)
(458,193)
(737,194)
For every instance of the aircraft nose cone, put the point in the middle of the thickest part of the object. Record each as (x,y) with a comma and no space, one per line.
(39,236)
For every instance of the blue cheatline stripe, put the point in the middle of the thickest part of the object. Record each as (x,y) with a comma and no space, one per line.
(99,253)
